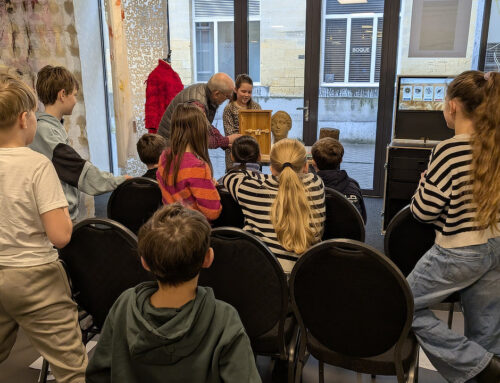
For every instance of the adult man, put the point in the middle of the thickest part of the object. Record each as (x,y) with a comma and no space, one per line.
(207,97)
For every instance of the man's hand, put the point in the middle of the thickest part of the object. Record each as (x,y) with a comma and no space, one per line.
(233,137)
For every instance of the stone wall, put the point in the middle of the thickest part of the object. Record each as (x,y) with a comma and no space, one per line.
(38,33)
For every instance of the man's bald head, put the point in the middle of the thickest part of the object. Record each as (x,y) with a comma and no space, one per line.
(221,82)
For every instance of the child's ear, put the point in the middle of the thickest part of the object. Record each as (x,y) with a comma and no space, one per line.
(22,120)
(144,264)
(313,163)
(61,95)
(209,258)
(259,158)
(232,157)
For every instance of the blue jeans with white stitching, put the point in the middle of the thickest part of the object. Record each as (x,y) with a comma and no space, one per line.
(475,272)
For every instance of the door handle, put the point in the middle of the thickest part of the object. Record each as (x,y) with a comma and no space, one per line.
(305,108)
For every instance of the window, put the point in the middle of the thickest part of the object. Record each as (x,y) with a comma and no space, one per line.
(492,61)
(214,42)
(352,43)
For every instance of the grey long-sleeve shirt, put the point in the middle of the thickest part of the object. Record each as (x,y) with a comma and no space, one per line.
(76,174)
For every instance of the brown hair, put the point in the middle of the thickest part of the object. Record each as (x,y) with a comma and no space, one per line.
(189,126)
(245,150)
(16,97)
(149,147)
(242,79)
(479,94)
(173,242)
(327,153)
(291,213)
(51,80)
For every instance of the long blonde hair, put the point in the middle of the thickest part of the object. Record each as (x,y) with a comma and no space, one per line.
(291,213)
(479,94)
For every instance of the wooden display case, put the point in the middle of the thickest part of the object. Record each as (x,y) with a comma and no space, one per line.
(257,123)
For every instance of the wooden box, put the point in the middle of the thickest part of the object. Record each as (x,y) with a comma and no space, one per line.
(257,123)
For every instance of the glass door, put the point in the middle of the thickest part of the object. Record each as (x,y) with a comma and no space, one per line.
(350,62)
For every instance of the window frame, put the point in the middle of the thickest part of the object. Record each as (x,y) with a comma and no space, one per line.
(215,20)
(349,16)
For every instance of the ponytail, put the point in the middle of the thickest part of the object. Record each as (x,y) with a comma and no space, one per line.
(291,213)
(486,154)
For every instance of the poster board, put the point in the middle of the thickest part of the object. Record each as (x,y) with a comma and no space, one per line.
(257,123)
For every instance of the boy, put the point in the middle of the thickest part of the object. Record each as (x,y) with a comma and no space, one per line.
(173,330)
(34,291)
(149,147)
(327,156)
(57,89)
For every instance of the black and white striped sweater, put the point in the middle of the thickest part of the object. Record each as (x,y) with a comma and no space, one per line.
(255,193)
(444,196)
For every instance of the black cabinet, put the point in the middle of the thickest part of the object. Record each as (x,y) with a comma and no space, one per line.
(403,168)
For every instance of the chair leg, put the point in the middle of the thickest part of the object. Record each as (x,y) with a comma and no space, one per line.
(321,367)
(450,314)
(42,378)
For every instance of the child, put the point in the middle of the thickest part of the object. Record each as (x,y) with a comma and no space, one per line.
(185,172)
(327,156)
(286,210)
(57,89)
(242,99)
(460,194)
(34,291)
(245,154)
(173,330)
(149,147)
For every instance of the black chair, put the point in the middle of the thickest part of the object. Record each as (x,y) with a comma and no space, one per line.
(343,220)
(406,241)
(248,276)
(231,214)
(134,201)
(102,262)
(355,311)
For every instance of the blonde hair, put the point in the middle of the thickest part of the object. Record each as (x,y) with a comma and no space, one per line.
(291,213)
(16,97)
(479,95)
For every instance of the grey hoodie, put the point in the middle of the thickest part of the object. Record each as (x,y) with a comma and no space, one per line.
(75,173)
(203,341)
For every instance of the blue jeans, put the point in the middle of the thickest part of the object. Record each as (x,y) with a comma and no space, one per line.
(475,272)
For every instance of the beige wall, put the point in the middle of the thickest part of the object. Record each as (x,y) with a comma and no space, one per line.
(433,66)
(180,39)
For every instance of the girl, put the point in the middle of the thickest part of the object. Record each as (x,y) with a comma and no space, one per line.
(245,153)
(460,194)
(242,99)
(185,172)
(286,209)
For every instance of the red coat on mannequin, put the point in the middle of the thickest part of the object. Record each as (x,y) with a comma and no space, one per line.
(162,86)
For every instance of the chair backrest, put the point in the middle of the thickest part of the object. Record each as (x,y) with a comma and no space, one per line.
(343,220)
(407,240)
(231,214)
(134,201)
(351,298)
(102,262)
(247,275)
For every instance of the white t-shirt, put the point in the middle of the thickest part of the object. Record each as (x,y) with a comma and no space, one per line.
(29,187)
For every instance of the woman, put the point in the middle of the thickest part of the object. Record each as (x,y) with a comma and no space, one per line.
(242,99)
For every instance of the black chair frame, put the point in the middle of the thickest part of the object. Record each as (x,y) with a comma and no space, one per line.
(287,352)
(353,214)
(405,216)
(347,244)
